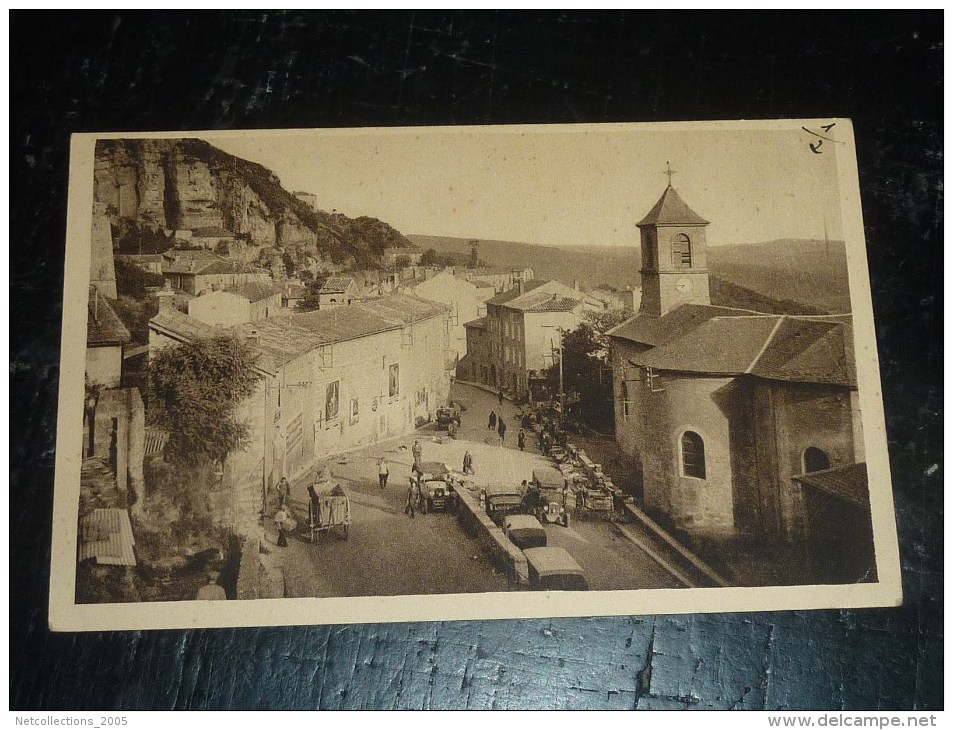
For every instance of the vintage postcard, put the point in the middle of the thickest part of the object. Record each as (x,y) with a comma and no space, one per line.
(338,376)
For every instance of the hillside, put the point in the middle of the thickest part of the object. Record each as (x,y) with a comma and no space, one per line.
(810,276)
(152,187)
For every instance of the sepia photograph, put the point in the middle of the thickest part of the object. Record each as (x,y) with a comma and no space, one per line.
(476,372)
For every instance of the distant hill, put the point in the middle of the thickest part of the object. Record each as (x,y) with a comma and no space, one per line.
(807,271)
(781,275)
(593,266)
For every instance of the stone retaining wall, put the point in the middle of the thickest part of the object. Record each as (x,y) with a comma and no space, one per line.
(491,537)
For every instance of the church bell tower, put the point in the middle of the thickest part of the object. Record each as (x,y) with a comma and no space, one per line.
(674,256)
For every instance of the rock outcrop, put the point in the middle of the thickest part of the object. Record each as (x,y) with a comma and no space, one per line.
(159,186)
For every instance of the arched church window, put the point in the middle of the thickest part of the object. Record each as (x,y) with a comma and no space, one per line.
(693,455)
(815,460)
(682,252)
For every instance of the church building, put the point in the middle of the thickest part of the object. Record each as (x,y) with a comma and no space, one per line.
(724,410)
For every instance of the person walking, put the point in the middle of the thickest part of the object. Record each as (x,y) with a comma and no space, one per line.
(501,396)
(283,523)
(417,451)
(521,440)
(492,422)
(413,497)
(468,463)
(501,429)
(383,472)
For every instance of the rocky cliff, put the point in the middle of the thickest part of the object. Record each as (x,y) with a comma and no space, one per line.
(154,187)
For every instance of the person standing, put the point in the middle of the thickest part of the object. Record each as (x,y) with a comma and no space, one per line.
(417,451)
(492,422)
(282,521)
(468,463)
(521,440)
(383,472)
(501,429)
(284,492)
(501,396)
(413,497)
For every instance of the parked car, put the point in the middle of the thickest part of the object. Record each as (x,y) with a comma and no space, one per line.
(436,488)
(554,569)
(445,417)
(502,502)
(553,491)
(524,531)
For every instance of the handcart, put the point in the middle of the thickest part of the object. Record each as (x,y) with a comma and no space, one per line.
(328,511)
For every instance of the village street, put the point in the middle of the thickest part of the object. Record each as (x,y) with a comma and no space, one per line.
(388,553)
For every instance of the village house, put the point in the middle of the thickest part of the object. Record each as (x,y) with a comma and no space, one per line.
(212,238)
(105,337)
(338,291)
(723,411)
(194,274)
(463,302)
(501,279)
(405,255)
(151,262)
(332,380)
(522,329)
(237,304)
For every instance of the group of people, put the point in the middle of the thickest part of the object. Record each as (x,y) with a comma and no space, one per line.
(496,423)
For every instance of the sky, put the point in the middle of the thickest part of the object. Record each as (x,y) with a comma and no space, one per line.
(560,185)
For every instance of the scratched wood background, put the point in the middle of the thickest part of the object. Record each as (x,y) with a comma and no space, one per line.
(125,71)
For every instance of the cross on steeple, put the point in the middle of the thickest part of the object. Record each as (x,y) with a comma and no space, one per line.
(669,171)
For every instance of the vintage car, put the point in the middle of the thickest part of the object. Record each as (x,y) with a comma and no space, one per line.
(553,569)
(524,531)
(436,488)
(501,502)
(445,417)
(552,490)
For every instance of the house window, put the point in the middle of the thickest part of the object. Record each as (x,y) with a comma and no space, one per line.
(331,401)
(624,395)
(393,389)
(693,455)
(815,460)
(681,252)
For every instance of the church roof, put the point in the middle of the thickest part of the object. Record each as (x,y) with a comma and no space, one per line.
(848,483)
(654,331)
(769,346)
(671,210)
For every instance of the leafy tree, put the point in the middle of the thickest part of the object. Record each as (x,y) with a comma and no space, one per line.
(132,280)
(474,260)
(402,262)
(289,263)
(586,371)
(312,296)
(429,257)
(306,276)
(195,392)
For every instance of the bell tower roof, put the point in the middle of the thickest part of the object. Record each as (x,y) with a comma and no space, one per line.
(671,210)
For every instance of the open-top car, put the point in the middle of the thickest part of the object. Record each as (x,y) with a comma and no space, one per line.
(501,502)
(552,491)
(436,487)
(445,417)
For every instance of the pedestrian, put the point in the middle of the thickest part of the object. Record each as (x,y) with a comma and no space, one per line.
(468,463)
(521,439)
(413,497)
(383,472)
(417,451)
(456,419)
(501,429)
(284,492)
(213,591)
(492,423)
(282,522)
(501,396)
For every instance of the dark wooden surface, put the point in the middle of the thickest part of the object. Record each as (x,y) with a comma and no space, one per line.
(169,71)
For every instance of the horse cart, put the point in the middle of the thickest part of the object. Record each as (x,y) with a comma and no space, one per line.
(328,511)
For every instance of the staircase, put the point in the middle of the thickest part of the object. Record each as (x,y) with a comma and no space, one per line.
(98,488)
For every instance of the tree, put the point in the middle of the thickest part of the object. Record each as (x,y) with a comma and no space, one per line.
(195,391)
(474,260)
(402,262)
(429,257)
(586,370)
(312,296)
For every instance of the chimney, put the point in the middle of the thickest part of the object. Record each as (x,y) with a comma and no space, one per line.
(166,298)
(519,286)
(252,337)
(575,284)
